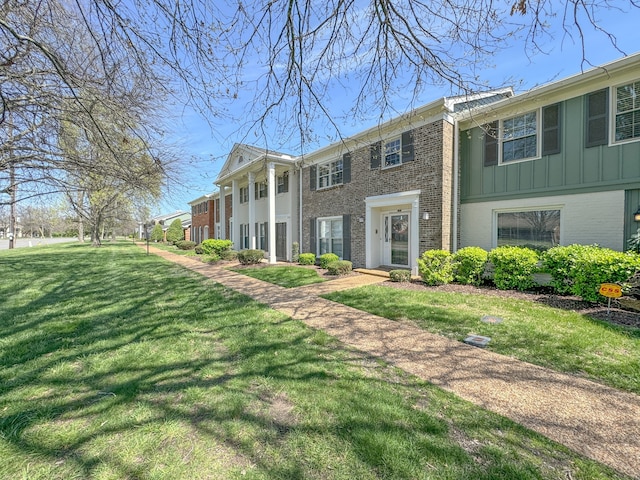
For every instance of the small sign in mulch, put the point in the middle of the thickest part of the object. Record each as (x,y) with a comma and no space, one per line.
(477,340)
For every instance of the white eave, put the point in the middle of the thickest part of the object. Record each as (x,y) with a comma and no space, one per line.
(624,69)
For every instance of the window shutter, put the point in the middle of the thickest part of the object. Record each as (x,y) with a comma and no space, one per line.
(256,190)
(551,129)
(313,173)
(407,147)
(597,118)
(285,180)
(491,144)
(313,240)
(346,168)
(346,237)
(375,155)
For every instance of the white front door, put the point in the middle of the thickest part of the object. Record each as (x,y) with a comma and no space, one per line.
(395,239)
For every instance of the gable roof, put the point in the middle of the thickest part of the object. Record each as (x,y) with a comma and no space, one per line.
(243,158)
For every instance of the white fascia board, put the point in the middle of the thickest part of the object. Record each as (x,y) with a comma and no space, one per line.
(434,111)
(619,71)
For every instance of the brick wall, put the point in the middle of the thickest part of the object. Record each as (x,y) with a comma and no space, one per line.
(431,172)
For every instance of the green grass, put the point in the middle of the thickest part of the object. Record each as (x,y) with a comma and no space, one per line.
(284,276)
(170,247)
(119,365)
(559,339)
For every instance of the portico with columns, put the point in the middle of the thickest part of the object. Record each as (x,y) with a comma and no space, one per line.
(264,193)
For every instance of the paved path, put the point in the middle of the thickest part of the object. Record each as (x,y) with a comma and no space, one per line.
(597,421)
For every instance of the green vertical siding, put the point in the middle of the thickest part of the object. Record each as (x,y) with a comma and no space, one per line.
(575,169)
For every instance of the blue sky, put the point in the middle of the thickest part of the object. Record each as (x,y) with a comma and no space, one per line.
(205,144)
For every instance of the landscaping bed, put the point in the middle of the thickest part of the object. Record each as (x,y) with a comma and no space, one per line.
(616,315)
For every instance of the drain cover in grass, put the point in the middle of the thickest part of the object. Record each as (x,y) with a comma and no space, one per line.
(491,319)
(477,340)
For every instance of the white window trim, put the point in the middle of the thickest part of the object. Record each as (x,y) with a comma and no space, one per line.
(383,160)
(283,183)
(495,212)
(242,199)
(613,100)
(319,220)
(331,173)
(501,138)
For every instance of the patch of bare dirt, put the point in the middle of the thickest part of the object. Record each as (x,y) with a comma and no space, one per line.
(616,315)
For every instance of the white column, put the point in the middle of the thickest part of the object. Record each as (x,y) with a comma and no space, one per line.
(222,207)
(271,195)
(252,210)
(235,208)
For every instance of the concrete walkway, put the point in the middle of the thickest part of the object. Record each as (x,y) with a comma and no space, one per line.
(599,422)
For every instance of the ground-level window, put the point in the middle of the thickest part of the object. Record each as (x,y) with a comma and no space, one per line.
(540,228)
(244,235)
(330,236)
(261,230)
(627,121)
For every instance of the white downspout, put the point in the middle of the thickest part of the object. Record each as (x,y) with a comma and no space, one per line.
(300,207)
(456,187)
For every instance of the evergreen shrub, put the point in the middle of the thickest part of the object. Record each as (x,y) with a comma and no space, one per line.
(436,267)
(513,267)
(327,258)
(307,259)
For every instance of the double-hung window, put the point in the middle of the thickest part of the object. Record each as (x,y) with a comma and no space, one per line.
(244,235)
(330,174)
(527,136)
(520,137)
(260,190)
(393,152)
(330,238)
(627,111)
(283,183)
(243,194)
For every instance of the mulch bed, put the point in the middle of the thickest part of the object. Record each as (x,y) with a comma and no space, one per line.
(616,315)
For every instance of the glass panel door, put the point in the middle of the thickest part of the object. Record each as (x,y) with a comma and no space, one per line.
(399,226)
(396,239)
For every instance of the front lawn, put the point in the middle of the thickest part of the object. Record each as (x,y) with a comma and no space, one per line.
(559,339)
(119,365)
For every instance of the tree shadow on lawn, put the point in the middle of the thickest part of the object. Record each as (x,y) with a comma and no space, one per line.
(138,368)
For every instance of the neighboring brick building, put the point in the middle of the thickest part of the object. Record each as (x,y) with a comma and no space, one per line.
(205,214)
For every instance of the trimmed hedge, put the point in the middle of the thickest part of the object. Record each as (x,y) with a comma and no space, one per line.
(436,267)
(327,258)
(250,257)
(217,246)
(307,259)
(339,267)
(469,264)
(402,276)
(513,267)
(601,265)
(185,244)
